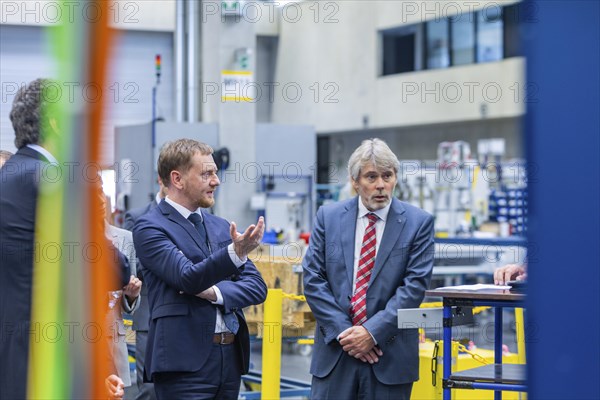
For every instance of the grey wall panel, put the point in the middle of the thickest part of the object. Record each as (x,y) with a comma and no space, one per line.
(169,131)
(289,151)
(133,152)
(266,57)
(284,147)
(133,75)
(25,54)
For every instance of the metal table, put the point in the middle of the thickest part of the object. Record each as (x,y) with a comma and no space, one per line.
(495,377)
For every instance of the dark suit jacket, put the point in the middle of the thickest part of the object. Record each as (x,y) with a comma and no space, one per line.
(177,266)
(20,178)
(142,314)
(401,275)
(19,181)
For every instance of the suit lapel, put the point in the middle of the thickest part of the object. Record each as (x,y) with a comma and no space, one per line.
(177,218)
(348,227)
(393,229)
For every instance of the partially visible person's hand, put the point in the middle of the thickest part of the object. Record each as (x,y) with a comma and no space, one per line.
(114,387)
(244,243)
(372,356)
(358,343)
(209,294)
(509,272)
(133,288)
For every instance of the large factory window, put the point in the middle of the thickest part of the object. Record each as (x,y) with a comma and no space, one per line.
(400,49)
(437,44)
(462,38)
(489,34)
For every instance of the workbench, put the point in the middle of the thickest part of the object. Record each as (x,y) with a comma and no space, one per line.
(497,376)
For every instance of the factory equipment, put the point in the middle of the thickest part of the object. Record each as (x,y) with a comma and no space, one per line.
(456,175)
(286,193)
(416,182)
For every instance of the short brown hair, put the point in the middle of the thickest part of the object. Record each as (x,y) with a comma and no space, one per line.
(177,155)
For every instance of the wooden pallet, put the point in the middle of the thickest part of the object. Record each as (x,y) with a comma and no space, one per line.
(284,274)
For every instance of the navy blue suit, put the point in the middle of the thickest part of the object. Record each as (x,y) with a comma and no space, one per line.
(20,178)
(142,315)
(176,267)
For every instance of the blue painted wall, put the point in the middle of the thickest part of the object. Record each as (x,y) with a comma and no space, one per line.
(562,143)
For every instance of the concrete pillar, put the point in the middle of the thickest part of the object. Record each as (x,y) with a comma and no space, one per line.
(222,39)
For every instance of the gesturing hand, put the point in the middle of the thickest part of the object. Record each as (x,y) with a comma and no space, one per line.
(249,240)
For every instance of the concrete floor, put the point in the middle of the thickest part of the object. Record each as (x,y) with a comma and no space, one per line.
(293,365)
(296,366)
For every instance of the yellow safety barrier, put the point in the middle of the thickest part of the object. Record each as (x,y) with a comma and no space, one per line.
(272,336)
(475,356)
(271,353)
(520,322)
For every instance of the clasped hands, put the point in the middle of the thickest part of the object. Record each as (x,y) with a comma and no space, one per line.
(358,343)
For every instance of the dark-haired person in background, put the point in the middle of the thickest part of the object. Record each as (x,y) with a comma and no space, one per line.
(20,179)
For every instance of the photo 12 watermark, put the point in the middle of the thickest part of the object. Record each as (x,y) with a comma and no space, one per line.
(326,12)
(73,92)
(54,12)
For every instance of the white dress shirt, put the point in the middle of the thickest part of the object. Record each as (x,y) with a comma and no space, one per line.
(43,152)
(362,222)
(238,262)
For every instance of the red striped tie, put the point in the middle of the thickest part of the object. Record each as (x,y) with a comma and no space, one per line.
(358,309)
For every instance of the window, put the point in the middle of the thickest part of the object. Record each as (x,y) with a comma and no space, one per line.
(463,39)
(490,34)
(437,44)
(513,14)
(401,50)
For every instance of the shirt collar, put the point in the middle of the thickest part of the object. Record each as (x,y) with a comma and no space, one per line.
(181,209)
(381,213)
(157,198)
(43,152)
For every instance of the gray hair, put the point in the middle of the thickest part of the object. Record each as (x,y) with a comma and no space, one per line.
(28,113)
(374,151)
